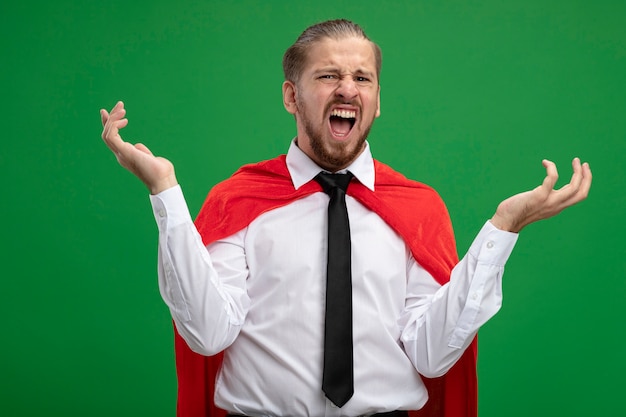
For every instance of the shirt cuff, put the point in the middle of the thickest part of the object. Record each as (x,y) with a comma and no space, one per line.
(492,245)
(170,208)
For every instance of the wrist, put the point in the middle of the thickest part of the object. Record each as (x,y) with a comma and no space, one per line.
(504,224)
(163,185)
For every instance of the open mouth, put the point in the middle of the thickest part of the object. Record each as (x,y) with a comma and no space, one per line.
(342,121)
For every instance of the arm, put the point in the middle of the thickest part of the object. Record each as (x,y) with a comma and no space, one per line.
(207,309)
(439,322)
(205,290)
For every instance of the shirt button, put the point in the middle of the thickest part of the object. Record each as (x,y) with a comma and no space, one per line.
(474,296)
(490,244)
(161,213)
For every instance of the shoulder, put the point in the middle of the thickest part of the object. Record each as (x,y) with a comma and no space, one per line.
(254,189)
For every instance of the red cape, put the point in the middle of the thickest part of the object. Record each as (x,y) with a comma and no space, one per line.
(415,211)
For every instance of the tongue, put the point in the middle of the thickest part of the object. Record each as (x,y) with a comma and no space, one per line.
(340,126)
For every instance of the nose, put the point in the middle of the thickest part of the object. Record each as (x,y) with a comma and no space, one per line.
(347,88)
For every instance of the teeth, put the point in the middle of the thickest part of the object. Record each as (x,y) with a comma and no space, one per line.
(346,114)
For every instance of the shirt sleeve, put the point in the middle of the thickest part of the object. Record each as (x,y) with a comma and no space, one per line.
(208,310)
(439,322)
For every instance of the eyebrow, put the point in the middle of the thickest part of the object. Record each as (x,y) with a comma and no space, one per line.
(335,70)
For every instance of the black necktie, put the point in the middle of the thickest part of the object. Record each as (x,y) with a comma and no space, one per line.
(338,379)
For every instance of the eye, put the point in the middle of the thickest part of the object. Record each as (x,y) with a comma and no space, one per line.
(327,77)
(360,79)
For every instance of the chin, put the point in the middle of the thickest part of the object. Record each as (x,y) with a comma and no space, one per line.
(337,155)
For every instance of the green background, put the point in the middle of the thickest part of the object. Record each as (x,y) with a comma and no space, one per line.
(474,95)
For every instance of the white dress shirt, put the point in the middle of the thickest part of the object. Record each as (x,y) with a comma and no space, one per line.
(260,295)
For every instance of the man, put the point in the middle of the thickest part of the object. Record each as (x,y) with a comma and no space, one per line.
(252,282)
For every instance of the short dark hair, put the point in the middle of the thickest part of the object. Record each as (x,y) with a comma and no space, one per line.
(296,55)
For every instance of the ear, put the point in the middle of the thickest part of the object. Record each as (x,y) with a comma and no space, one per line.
(289,97)
(378,102)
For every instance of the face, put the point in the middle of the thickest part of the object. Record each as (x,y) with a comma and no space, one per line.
(335,101)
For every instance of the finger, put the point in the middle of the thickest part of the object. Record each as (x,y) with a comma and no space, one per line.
(111,134)
(578,192)
(112,126)
(577,176)
(585,182)
(104,116)
(111,121)
(552,175)
(115,127)
(118,106)
(117,112)
(587,171)
(587,178)
(574,183)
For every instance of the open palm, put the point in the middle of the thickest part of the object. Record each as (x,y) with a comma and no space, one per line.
(518,211)
(154,171)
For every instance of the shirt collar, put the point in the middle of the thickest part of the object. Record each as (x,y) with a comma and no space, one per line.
(302,169)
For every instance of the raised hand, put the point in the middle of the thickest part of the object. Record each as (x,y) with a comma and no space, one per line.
(156,172)
(518,211)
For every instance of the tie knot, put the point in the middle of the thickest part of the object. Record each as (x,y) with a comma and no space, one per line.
(330,181)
